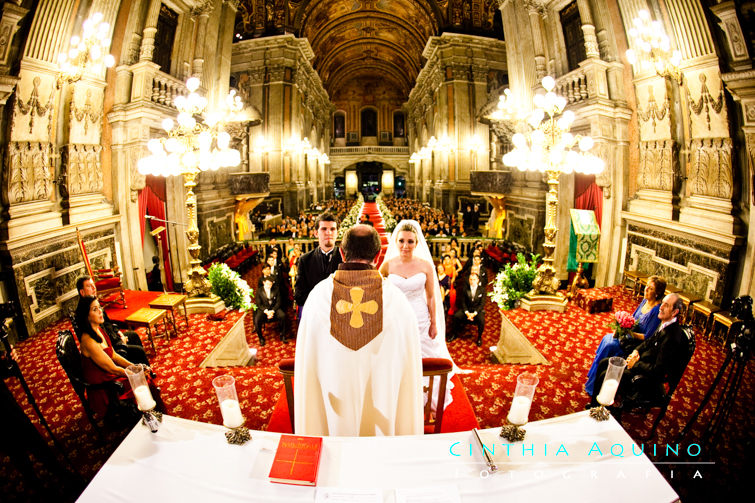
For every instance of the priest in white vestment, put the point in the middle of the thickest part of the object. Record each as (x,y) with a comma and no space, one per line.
(358,365)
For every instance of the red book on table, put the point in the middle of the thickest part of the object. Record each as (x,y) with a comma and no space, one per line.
(296,460)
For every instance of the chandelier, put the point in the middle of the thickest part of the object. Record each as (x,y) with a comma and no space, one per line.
(551,149)
(90,48)
(196,141)
(653,48)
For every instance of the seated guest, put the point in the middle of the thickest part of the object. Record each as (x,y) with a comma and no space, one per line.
(265,272)
(475,260)
(646,315)
(481,273)
(127,344)
(470,307)
(358,363)
(658,357)
(99,362)
(445,286)
(268,300)
(273,247)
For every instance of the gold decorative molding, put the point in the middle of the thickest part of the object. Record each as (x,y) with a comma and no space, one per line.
(710,167)
(28,172)
(86,113)
(34,106)
(706,100)
(653,112)
(656,165)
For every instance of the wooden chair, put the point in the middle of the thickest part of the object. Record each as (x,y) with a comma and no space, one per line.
(431,367)
(107,281)
(643,405)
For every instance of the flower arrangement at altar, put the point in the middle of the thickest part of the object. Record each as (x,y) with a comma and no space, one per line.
(623,324)
(228,285)
(352,218)
(514,282)
(385,213)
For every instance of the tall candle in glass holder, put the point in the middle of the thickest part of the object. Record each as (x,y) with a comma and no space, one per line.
(520,405)
(138,382)
(616,365)
(225,387)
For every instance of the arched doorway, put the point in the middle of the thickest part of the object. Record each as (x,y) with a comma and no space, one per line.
(370,176)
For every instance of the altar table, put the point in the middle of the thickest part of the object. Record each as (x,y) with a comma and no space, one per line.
(191,461)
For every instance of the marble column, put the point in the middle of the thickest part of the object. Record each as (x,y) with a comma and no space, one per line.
(150,29)
(588,29)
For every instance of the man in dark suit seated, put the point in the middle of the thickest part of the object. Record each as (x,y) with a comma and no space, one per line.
(127,344)
(658,357)
(268,300)
(470,303)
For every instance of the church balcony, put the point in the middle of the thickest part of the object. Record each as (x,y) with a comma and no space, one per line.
(150,86)
(368,149)
(587,84)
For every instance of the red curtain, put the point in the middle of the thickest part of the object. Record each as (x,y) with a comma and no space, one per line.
(588,196)
(152,202)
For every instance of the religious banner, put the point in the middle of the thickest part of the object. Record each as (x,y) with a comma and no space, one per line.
(584,238)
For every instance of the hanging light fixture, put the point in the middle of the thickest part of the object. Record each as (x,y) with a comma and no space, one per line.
(196,141)
(90,48)
(652,48)
(551,149)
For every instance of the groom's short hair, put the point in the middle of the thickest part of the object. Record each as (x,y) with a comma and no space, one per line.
(360,243)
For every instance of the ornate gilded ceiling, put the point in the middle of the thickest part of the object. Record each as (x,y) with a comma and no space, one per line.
(373,43)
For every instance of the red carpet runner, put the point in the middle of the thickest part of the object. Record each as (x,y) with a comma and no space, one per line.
(371,210)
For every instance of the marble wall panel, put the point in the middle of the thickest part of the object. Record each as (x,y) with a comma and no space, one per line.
(216,230)
(45,274)
(695,265)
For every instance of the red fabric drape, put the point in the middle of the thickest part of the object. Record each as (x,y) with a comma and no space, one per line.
(150,203)
(588,196)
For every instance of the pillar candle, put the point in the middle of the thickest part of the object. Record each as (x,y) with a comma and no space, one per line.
(231,411)
(143,397)
(520,410)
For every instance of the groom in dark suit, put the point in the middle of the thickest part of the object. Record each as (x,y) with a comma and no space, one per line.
(659,357)
(471,307)
(268,300)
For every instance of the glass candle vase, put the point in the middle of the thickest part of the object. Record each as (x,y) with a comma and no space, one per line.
(225,388)
(616,365)
(526,383)
(138,382)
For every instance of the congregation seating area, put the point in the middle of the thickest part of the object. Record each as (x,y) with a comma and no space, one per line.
(238,256)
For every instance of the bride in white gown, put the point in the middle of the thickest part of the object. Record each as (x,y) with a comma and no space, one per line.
(409,265)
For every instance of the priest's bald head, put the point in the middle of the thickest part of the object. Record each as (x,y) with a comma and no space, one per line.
(361,243)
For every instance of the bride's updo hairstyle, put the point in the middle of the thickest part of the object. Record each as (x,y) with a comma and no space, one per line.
(408,228)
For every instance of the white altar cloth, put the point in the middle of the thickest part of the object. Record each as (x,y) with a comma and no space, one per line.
(191,461)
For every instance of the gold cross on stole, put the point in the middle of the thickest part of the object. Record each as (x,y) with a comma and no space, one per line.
(356,307)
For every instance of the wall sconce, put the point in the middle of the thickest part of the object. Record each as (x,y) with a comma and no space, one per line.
(90,48)
(653,48)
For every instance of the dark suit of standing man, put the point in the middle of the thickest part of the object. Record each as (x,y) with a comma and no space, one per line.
(318,264)
(660,356)
(268,300)
(471,307)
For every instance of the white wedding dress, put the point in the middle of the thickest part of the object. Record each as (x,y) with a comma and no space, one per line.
(414,289)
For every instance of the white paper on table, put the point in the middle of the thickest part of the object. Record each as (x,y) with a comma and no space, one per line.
(345,495)
(434,494)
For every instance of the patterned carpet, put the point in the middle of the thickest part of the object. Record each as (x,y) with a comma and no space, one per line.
(567,340)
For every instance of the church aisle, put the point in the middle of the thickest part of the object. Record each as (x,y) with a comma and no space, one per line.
(371,211)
